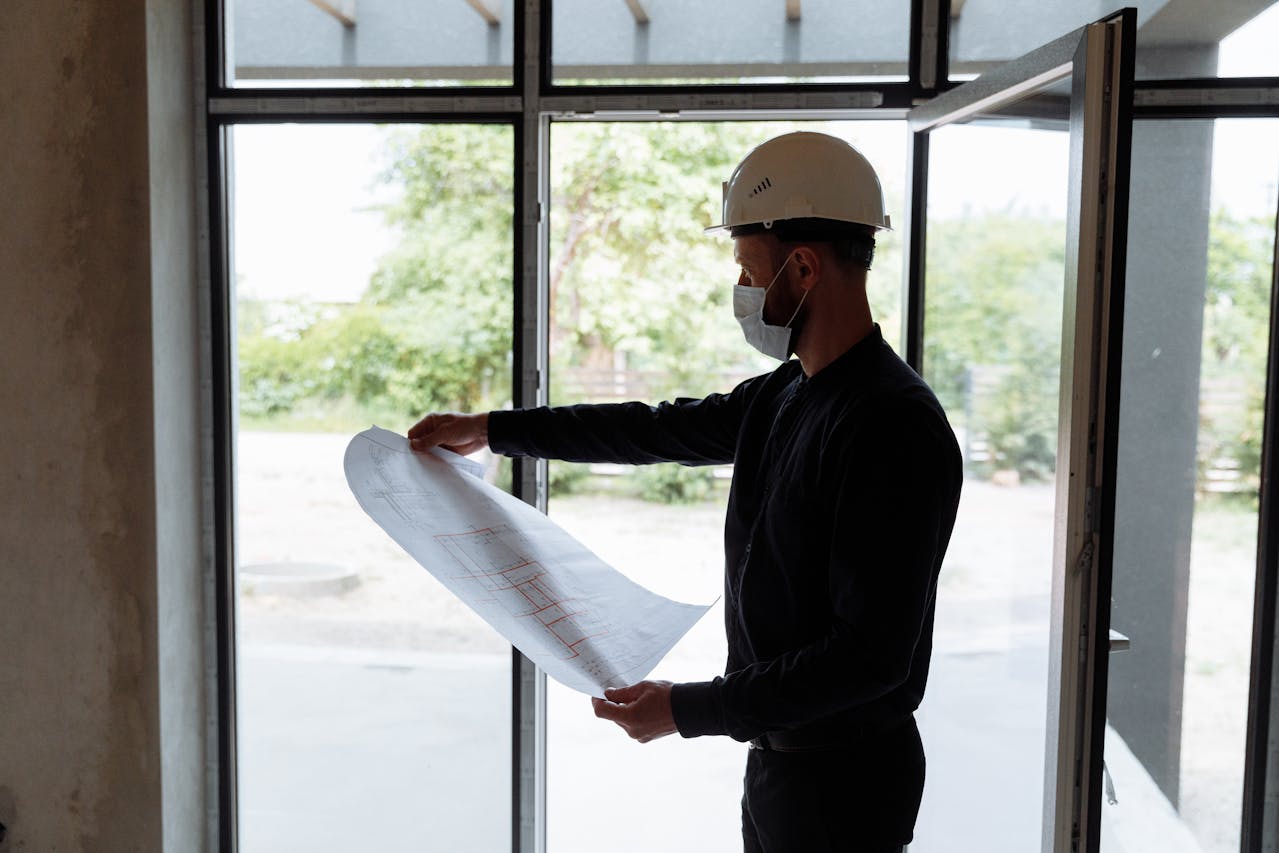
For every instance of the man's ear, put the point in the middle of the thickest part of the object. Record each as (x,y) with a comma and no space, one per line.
(808,266)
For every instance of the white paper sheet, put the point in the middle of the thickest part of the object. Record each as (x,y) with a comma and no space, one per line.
(583,622)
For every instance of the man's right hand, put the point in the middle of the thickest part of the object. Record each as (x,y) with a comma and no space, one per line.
(459,433)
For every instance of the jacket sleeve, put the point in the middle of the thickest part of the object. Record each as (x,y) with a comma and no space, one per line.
(691,432)
(893,510)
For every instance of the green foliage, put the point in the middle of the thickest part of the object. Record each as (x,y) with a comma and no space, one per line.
(631,270)
(993,339)
(634,282)
(433,330)
(633,278)
(1235,339)
(274,376)
(567,478)
(992,342)
(672,484)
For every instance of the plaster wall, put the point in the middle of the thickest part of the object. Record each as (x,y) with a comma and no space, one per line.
(95,288)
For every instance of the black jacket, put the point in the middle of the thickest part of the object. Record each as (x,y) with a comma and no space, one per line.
(844,493)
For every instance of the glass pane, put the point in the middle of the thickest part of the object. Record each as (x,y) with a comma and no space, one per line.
(641,309)
(994,277)
(372,283)
(1196,321)
(758,41)
(362,43)
(1175,38)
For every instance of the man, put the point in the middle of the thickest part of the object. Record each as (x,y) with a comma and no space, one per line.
(845,485)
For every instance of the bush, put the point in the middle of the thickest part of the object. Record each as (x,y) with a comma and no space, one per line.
(567,478)
(673,484)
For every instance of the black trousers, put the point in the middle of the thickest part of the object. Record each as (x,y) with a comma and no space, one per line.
(860,799)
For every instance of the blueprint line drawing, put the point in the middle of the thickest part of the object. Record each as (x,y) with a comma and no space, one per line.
(579,619)
(523,587)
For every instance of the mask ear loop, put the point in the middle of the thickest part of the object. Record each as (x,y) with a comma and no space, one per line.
(778,275)
(774,281)
(797,307)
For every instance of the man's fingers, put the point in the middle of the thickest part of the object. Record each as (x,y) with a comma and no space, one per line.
(435,431)
(460,433)
(438,437)
(624,694)
(425,426)
(606,710)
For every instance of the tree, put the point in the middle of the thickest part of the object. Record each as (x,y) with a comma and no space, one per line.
(634,282)
(1235,341)
(631,273)
(992,336)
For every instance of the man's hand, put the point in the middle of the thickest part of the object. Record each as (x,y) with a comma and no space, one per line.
(643,710)
(460,433)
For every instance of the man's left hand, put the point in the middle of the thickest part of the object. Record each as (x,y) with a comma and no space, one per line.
(643,710)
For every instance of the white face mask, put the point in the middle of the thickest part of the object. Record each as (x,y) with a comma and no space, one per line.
(748,308)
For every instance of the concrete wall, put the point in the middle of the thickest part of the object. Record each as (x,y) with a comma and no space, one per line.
(101,700)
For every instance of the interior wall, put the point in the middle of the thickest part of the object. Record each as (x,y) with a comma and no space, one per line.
(96,338)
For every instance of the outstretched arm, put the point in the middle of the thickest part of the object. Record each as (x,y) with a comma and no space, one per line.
(691,432)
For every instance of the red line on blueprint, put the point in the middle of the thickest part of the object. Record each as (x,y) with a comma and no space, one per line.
(513,585)
(524,586)
(550,606)
(584,639)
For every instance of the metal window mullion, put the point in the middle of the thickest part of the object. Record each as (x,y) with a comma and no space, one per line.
(1122,38)
(348,106)
(1239,97)
(222,346)
(529,357)
(916,252)
(1260,817)
(929,35)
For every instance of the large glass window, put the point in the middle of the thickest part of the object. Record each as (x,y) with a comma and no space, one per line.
(1196,328)
(641,308)
(303,43)
(372,283)
(994,274)
(757,41)
(1175,38)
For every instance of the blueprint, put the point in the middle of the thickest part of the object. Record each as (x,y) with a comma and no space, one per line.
(584,623)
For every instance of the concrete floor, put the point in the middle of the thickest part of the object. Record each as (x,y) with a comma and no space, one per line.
(379,719)
(409,751)
(396,751)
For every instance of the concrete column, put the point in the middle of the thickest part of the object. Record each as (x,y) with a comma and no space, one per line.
(102,709)
(1159,422)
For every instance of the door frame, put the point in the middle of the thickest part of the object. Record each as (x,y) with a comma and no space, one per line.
(1098,61)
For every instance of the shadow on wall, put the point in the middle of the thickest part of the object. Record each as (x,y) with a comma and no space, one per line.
(6,814)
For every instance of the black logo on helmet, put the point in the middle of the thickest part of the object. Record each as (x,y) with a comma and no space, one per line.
(760,187)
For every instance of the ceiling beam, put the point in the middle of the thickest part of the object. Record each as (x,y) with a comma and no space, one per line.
(792,10)
(1196,22)
(489,16)
(342,10)
(637,9)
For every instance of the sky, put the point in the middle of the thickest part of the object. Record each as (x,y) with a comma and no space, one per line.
(307,198)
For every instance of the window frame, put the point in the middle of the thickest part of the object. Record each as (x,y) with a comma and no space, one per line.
(528,105)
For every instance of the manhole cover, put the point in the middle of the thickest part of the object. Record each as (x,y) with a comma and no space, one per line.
(297,579)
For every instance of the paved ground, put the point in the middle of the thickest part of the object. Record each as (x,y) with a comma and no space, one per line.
(378,719)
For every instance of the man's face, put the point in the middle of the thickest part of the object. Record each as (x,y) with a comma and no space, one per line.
(757,257)
(760,257)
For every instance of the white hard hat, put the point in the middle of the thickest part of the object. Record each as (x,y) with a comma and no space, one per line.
(803,175)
